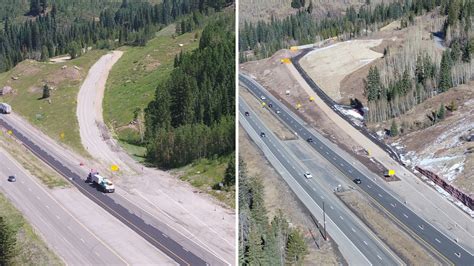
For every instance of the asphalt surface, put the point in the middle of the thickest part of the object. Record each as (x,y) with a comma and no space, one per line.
(356,236)
(443,244)
(69,237)
(154,236)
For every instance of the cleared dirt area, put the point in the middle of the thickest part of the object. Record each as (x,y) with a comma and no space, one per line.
(398,240)
(328,66)
(276,126)
(278,196)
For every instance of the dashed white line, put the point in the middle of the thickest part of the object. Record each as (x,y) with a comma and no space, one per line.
(365,243)
(342,218)
(353,230)
(47,207)
(406,216)
(380,195)
(380,258)
(82,240)
(437,240)
(165,235)
(332,208)
(57,217)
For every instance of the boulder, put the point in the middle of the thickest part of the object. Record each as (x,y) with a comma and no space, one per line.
(6,90)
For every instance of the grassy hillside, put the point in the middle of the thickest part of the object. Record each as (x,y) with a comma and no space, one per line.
(58,114)
(32,250)
(134,78)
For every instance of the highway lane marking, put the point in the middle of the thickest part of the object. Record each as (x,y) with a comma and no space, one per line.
(47,207)
(365,243)
(406,216)
(437,240)
(380,195)
(393,205)
(341,217)
(332,208)
(164,235)
(57,217)
(380,258)
(314,189)
(353,230)
(82,240)
(369,186)
(421,227)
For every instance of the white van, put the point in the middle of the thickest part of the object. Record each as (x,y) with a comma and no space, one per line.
(5,108)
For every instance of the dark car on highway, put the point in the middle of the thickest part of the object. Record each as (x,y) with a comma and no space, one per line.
(247,113)
(262,134)
(357,181)
(310,140)
(12,178)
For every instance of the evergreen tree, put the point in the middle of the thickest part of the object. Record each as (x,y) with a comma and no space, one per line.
(441,112)
(46,91)
(229,177)
(7,242)
(296,247)
(394,129)
(35,8)
(445,80)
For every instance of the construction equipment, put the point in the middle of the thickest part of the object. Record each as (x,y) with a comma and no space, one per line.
(104,184)
(389,173)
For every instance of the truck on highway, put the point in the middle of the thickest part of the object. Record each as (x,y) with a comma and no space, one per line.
(5,108)
(104,184)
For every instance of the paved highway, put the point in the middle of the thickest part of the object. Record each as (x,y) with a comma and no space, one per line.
(69,237)
(443,244)
(357,243)
(186,252)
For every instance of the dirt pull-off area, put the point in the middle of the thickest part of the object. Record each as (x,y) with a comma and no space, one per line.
(278,196)
(328,66)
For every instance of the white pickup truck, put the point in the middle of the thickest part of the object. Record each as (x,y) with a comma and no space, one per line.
(104,184)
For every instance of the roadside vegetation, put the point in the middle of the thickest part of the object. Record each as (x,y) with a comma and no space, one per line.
(56,114)
(214,176)
(265,240)
(192,115)
(19,243)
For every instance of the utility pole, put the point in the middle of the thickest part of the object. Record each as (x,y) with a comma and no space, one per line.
(324,223)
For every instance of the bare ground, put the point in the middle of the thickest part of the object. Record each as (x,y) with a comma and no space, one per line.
(398,240)
(278,196)
(329,65)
